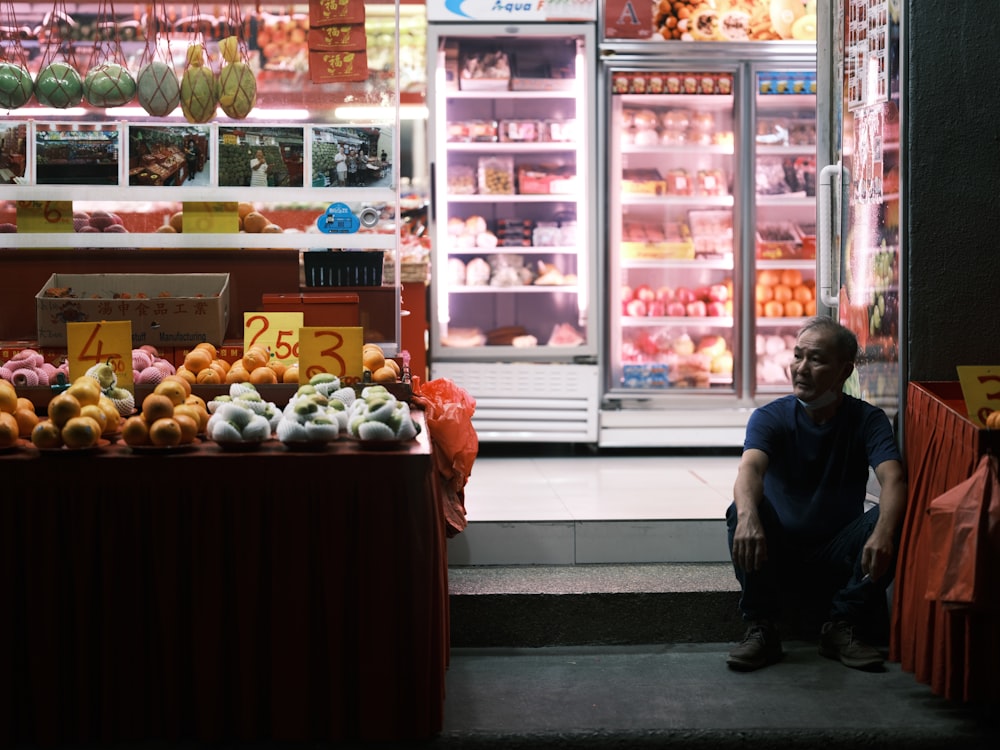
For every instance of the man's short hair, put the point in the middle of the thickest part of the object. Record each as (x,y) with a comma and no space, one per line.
(844,340)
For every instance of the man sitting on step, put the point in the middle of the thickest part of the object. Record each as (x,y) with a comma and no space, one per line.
(797,525)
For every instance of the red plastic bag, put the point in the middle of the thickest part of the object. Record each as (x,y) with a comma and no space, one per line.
(449,408)
(965,541)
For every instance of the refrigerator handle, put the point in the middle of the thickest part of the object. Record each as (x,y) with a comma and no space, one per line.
(829,291)
(432,213)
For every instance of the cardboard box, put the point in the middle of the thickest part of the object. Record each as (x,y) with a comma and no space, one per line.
(166,310)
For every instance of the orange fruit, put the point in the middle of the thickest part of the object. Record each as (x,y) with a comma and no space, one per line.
(83,391)
(25,403)
(189,427)
(135,431)
(794,308)
(384,375)
(10,431)
(95,412)
(63,407)
(185,383)
(394,365)
(177,221)
(263,375)
(278,366)
(47,435)
(165,431)
(156,406)
(81,432)
(194,412)
(254,222)
(291,374)
(26,421)
(210,376)
(225,365)
(219,368)
(238,373)
(197,360)
(172,389)
(209,347)
(782,292)
(183,372)
(791,277)
(197,400)
(8,397)
(373,359)
(803,294)
(243,209)
(255,357)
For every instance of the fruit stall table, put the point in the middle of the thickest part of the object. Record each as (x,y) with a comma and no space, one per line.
(215,595)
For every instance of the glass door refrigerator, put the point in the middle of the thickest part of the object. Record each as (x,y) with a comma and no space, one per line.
(710,222)
(514,303)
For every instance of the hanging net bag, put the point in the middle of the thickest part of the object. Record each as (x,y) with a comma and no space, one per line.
(237,82)
(199,87)
(16,85)
(108,82)
(159,91)
(58,84)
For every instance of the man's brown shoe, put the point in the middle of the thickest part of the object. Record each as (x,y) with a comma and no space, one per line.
(839,641)
(760,647)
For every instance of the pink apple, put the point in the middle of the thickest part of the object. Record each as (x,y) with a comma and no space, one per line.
(627,293)
(718,293)
(644,293)
(684,295)
(696,309)
(636,308)
(716,309)
(665,294)
(656,308)
(676,309)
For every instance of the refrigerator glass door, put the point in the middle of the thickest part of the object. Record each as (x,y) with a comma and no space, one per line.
(673,233)
(514,226)
(784,238)
(868,296)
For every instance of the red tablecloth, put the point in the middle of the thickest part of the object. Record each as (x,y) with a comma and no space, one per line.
(956,652)
(211,595)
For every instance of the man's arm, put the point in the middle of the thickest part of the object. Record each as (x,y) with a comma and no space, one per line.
(881,545)
(749,544)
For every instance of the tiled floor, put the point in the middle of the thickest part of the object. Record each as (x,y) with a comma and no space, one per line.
(566,505)
(578,485)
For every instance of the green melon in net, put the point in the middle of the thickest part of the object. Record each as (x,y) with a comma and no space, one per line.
(237,84)
(109,85)
(199,89)
(16,85)
(159,89)
(59,85)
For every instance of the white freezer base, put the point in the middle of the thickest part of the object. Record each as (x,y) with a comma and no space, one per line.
(529,402)
(673,428)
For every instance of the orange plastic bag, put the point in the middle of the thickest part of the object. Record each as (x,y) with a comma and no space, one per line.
(449,409)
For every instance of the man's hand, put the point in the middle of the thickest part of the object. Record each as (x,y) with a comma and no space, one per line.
(749,544)
(877,554)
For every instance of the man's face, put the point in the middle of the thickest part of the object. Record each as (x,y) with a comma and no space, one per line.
(815,367)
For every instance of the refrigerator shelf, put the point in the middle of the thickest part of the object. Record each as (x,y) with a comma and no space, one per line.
(511,198)
(512,147)
(786,199)
(689,201)
(678,320)
(514,250)
(807,148)
(523,289)
(680,149)
(784,322)
(496,94)
(724,264)
(693,101)
(806,264)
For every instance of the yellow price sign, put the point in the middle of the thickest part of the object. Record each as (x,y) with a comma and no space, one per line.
(110,341)
(44,216)
(207,217)
(278,332)
(333,350)
(981,390)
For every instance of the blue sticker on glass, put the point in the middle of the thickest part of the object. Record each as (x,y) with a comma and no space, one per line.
(338,219)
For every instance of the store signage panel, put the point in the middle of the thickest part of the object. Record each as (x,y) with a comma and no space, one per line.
(744,21)
(106,341)
(277,332)
(503,11)
(981,391)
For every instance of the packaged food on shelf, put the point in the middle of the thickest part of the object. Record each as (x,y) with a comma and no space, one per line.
(496,175)
(545,179)
(559,131)
(712,182)
(643,181)
(462,179)
(643,241)
(712,233)
(778,240)
(472,131)
(520,131)
(678,182)
(546,234)
(484,71)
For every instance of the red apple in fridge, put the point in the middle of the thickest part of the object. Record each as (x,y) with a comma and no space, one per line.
(696,309)
(718,293)
(656,309)
(712,345)
(684,295)
(645,293)
(676,309)
(665,294)
(627,294)
(715,309)
(635,308)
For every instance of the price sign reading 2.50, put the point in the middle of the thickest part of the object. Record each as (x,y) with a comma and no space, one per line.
(278,333)
(89,344)
(333,350)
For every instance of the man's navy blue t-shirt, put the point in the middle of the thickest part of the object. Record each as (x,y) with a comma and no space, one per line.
(817,474)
